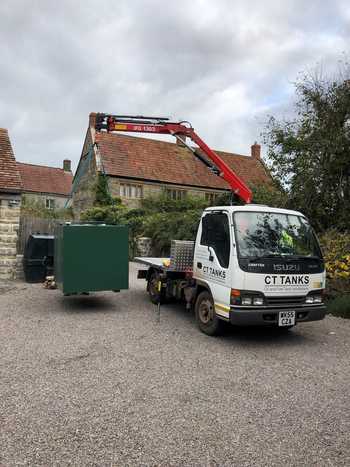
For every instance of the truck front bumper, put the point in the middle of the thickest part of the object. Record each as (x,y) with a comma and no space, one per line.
(240,316)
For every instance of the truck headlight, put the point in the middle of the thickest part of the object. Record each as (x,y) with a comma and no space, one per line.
(258,301)
(313,299)
(246,300)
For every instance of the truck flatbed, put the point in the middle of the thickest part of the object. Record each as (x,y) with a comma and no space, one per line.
(180,261)
(156,262)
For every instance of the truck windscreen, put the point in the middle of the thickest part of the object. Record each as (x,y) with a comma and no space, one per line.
(268,234)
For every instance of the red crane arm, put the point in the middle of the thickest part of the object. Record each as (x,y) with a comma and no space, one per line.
(160,125)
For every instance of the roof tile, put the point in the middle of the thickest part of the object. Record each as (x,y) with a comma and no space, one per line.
(149,159)
(9,175)
(42,179)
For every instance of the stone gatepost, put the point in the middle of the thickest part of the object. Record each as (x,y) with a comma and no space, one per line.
(9,224)
(144,246)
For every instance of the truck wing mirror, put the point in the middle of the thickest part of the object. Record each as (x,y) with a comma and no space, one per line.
(211,257)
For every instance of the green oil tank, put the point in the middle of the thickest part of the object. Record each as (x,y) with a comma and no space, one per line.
(90,257)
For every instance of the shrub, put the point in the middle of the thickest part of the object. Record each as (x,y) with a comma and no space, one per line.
(36,208)
(162,227)
(339,269)
(340,306)
(336,250)
(269,195)
(102,194)
(112,214)
(154,204)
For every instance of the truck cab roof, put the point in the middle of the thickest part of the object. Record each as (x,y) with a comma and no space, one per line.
(254,208)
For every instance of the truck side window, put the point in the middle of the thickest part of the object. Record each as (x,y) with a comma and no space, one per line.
(216,233)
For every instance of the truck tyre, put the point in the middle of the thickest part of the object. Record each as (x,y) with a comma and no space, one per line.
(207,320)
(152,288)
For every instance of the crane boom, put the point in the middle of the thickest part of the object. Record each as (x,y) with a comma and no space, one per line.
(180,130)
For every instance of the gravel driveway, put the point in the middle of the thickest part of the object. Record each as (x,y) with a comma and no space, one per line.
(98,381)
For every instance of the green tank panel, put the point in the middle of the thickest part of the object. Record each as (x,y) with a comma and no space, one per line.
(90,258)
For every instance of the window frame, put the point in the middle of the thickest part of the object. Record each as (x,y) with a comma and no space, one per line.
(180,193)
(236,236)
(225,264)
(211,196)
(50,203)
(126,190)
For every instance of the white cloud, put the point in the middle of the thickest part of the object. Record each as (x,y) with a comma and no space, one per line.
(222,65)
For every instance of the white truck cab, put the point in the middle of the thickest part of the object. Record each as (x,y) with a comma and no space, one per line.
(252,265)
(261,265)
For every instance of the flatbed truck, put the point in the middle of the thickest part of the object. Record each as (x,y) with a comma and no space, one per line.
(249,265)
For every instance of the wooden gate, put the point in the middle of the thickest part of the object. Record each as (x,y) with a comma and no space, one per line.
(31,225)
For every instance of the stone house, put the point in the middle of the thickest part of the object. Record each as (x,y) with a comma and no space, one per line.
(48,186)
(10,199)
(138,167)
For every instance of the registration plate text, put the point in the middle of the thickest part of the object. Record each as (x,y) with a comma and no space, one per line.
(286,318)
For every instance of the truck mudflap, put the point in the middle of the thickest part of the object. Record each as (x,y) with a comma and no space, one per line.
(270,317)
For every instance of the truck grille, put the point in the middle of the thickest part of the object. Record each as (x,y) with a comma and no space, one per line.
(285,301)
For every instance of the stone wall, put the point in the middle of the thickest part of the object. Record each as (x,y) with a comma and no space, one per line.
(19,268)
(9,223)
(144,246)
(152,189)
(83,196)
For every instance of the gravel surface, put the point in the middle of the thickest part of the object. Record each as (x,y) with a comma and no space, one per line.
(97,380)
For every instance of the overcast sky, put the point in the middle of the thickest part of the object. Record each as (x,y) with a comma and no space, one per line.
(224,65)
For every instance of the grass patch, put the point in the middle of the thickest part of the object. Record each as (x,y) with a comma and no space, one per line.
(339,306)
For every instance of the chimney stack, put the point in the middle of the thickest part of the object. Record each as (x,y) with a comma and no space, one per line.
(92,119)
(67,165)
(255,150)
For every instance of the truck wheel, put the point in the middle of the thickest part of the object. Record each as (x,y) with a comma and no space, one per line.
(207,320)
(152,288)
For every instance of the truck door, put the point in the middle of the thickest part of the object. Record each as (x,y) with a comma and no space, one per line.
(212,258)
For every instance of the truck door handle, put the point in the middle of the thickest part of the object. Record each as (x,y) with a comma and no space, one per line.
(199,265)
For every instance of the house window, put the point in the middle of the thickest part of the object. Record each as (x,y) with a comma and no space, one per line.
(176,194)
(211,197)
(50,203)
(128,190)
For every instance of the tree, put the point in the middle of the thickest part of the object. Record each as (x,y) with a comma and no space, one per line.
(310,154)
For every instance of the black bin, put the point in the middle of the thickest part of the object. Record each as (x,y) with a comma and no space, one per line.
(38,257)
